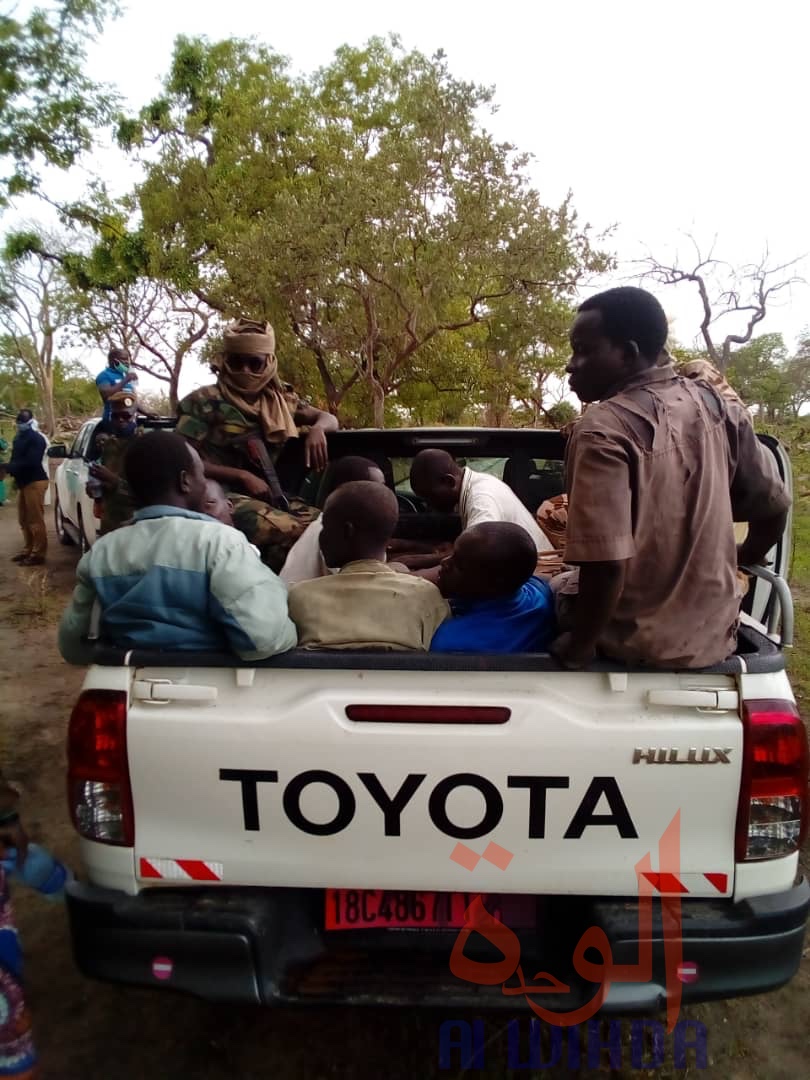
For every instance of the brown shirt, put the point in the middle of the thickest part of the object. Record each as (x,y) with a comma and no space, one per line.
(656,475)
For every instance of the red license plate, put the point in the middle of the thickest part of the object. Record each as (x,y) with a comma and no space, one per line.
(381,909)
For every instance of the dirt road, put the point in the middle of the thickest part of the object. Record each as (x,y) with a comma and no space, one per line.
(86,1029)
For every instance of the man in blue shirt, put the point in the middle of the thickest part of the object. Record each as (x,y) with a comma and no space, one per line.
(498,606)
(116,376)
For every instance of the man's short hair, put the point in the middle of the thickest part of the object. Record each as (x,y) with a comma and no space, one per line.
(117,353)
(506,552)
(428,465)
(24,416)
(631,314)
(347,469)
(153,463)
(372,509)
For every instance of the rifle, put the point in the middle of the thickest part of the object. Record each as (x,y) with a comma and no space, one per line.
(257,452)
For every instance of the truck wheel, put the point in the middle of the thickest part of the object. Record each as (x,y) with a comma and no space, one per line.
(59,523)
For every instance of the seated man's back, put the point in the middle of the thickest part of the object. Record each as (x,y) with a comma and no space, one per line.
(498,606)
(368,604)
(175,579)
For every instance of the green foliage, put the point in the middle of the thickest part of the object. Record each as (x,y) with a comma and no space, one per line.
(365,211)
(561,414)
(74,390)
(757,373)
(48,106)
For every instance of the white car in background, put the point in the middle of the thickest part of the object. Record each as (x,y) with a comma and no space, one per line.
(73,509)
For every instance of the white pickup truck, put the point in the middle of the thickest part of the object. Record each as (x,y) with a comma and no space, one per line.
(312,828)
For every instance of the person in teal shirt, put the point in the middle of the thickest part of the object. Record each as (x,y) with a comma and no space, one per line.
(498,605)
(116,376)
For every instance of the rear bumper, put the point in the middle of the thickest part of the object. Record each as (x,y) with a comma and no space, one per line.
(266,946)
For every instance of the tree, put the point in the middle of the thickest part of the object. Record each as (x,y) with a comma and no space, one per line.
(745,293)
(32,310)
(48,106)
(365,210)
(757,372)
(797,376)
(158,325)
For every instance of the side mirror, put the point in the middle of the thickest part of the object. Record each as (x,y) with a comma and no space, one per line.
(58,450)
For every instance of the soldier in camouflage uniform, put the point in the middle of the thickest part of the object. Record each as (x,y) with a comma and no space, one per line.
(241,424)
(116,503)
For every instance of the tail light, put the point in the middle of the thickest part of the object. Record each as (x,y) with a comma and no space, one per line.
(773,809)
(99,794)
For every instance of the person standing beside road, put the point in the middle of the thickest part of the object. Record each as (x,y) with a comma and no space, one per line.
(27,452)
(658,469)
(241,424)
(3,495)
(116,376)
(17,1053)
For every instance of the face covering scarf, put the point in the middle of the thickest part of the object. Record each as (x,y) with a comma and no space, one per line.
(259,395)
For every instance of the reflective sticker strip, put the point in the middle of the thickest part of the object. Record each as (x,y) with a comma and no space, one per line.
(665,883)
(676,885)
(720,881)
(180,869)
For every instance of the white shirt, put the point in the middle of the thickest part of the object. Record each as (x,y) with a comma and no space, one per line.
(304,561)
(486,498)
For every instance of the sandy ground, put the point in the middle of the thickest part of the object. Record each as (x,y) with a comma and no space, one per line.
(87,1029)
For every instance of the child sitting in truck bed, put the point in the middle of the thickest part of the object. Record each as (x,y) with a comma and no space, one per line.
(367,605)
(498,606)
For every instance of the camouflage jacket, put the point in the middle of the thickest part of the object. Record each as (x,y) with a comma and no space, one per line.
(117,506)
(218,428)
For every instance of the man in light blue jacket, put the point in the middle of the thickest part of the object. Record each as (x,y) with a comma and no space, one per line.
(175,579)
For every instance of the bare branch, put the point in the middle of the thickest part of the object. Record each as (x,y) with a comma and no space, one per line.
(748,293)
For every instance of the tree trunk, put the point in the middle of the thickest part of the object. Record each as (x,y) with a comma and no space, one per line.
(174,381)
(378,403)
(48,411)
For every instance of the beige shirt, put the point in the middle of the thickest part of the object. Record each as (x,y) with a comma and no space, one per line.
(657,475)
(367,605)
(486,498)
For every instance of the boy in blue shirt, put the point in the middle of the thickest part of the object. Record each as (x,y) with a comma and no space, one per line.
(498,605)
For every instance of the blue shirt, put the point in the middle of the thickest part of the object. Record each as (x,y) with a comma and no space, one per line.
(177,580)
(523,622)
(108,377)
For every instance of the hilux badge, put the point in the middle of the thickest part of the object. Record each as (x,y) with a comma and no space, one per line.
(673,755)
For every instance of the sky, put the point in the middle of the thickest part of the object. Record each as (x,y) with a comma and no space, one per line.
(665,120)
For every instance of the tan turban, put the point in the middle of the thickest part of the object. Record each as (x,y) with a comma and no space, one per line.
(259,395)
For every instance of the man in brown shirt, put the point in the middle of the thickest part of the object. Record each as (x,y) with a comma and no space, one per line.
(657,473)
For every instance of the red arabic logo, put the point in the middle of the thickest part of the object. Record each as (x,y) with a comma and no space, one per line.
(477,920)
